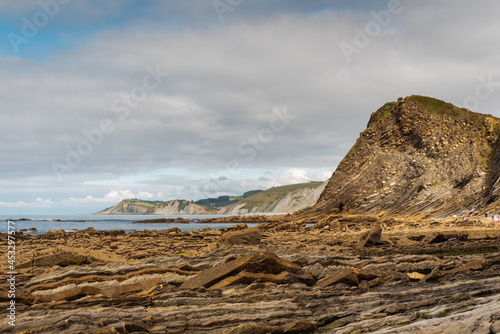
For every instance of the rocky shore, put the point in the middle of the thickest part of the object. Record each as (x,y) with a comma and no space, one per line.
(350,274)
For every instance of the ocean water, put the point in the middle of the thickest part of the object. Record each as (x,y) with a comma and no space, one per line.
(44,223)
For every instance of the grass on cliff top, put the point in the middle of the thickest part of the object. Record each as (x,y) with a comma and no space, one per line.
(273,194)
(381,114)
(146,204)
(442,108)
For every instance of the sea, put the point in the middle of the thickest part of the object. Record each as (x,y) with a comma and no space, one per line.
(69,223)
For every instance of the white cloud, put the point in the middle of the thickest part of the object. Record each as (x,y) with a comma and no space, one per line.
(18,204)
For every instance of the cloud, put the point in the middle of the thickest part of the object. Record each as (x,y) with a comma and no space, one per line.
(226,79)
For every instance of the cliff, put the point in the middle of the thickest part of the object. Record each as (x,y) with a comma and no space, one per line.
(418,157)
(284,199)
(138,207)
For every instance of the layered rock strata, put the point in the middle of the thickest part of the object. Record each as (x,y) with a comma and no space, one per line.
(419,157)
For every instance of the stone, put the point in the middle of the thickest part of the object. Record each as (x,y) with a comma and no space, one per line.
(65,256)
(55,234)
(248,278)
(249,236)
(255,328)
(433,275)
(347,276)
(135,327)
(415,276)
(240,226)
(316,269)
(299,327)
(370,238)
(103,330)
(259,262)
(438,237)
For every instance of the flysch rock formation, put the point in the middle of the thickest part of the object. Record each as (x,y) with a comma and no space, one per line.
(419,157)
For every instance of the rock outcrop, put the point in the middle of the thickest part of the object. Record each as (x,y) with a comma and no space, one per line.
(418,157)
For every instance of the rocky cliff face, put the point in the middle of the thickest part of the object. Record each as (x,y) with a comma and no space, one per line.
(180,208)
(419,157)
(285,199)
(290,202)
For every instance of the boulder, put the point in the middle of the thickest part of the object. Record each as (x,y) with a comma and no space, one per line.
(249,236)
(256,263)
(370,238)
(347,276)
(437,237)
(415,276)
(55,234)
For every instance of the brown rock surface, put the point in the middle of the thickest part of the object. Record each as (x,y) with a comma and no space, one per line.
(250,236)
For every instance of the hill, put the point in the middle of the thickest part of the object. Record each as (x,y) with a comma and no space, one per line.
(141,207)
(284,199)
(418,157)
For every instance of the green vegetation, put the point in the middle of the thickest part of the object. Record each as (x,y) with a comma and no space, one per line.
(444,313)
(486,156)
(218,202)
(251,192)
(139,202)
(253,204)
(381,114)
(445,109)
(182,204)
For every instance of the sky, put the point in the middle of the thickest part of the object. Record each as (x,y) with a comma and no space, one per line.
(161,100)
